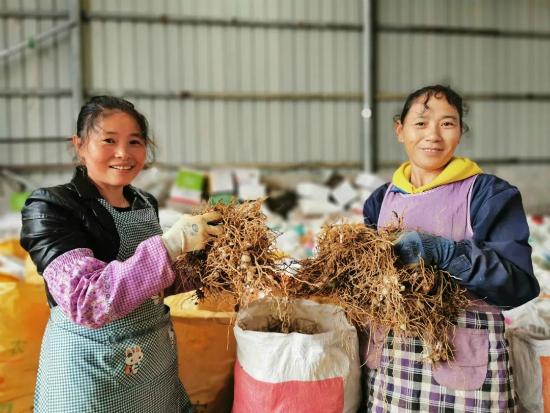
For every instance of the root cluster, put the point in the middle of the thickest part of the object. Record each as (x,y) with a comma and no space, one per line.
(354,267)
(242,262)
(274,324)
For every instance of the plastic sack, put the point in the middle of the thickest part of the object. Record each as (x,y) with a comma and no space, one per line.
(206,351)
(533,315)
(295,372)
(24,312)
(530,357)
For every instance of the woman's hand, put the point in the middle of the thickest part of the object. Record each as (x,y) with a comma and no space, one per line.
(434,250)
(190,233)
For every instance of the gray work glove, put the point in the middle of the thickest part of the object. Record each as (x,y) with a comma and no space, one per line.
(434,250)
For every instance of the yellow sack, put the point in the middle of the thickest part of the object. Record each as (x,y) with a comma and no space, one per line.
(12,247)
(24,313)
(206,352)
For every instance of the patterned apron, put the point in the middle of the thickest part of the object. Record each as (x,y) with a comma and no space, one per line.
(480,378)
(126,366)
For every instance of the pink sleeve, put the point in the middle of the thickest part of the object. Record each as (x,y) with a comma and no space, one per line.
(92,292)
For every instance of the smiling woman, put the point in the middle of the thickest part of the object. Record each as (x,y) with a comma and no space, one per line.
(109,345)
(113,152)
(472,226)
(430,132)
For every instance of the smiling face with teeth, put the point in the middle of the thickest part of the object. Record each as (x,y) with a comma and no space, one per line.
(430,134)
(114,153)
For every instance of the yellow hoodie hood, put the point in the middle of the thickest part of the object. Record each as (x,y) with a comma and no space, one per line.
(456,170)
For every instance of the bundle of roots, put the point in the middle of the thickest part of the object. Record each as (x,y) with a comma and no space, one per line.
(356,267)
(242,262)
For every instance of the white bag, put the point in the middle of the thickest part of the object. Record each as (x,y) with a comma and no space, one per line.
(277,372)
(530,358)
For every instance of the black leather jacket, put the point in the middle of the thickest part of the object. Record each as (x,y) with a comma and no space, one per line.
(65,217)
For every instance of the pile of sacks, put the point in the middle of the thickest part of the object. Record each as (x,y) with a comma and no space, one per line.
(24,316)
(528,327)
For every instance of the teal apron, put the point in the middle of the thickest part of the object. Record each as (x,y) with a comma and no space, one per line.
(128,365)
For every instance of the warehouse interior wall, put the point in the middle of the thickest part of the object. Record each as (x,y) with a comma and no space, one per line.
(220,81)
(274,84)
(495,53)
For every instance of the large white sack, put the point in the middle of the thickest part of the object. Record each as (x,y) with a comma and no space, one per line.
(296,372)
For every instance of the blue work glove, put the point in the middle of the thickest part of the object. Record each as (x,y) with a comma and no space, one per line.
(434,250)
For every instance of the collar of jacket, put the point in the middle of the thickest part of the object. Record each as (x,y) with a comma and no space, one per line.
(87,190)
(83,185)
(456,170)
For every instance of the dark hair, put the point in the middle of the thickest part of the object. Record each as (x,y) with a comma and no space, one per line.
(95,108)
(437,91)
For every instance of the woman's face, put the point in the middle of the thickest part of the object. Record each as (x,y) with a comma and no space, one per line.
(114,152)
(430,134)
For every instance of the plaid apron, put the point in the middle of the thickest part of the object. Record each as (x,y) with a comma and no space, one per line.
(404,382)
(480,378)
(126,366)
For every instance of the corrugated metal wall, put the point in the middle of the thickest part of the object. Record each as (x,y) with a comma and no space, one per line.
(35,95)
(221,81)
(496,52)
(265,81)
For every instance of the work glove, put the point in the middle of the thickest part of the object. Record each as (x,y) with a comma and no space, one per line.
(190,233)
(434,250)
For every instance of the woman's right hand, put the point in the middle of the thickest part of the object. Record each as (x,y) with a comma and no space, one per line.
(191,233)
(412,246)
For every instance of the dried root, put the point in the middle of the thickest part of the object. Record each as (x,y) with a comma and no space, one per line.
(282,319)
(242,262)
(356,267)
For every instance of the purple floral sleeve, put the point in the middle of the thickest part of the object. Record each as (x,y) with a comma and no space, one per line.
(92,292)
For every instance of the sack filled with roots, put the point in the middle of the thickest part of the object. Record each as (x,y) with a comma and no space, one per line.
(316,368)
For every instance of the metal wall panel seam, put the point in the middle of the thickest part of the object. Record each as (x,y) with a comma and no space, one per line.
(34,14)
(232,22)
(7,76)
